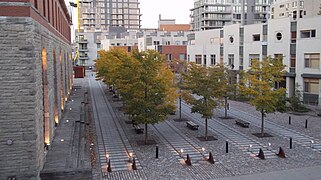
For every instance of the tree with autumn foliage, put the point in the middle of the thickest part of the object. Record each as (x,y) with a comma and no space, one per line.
(204,89)
(258,83)
(155,91)
(143,80)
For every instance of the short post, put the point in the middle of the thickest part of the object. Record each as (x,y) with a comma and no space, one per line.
(130,157)
(226,146)
(109,166)
(289,119)
(312,142)
(290,143)
(269,146)
(134,164)
(156,151)
(181,152)
(306,123)
(250,148)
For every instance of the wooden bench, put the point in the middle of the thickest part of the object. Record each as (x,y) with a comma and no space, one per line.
(138,129)
(192,125)
(242,123)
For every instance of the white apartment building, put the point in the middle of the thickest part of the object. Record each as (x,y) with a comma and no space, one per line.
(295,8)
(298,42)
(109,15)
(214,14)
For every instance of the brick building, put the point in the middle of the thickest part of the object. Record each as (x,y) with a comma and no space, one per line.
(35,78)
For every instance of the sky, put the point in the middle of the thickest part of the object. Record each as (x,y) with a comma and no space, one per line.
(169,9)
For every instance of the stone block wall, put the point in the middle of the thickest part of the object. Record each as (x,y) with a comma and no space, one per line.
(22,41)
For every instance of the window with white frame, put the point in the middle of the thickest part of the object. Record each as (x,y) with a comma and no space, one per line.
(311,86)
(198,59)
(253,57)
(308,33)
(213,59)
(312,60)
(231,59)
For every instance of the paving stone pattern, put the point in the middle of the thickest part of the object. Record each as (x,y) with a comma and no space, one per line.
(282,131)
(233,136)
(171,136)
(110,136)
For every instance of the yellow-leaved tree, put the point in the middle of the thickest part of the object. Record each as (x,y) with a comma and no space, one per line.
(204,89)
(258,84)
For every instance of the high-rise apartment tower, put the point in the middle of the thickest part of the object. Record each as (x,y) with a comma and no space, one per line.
(109,15)
(213,14)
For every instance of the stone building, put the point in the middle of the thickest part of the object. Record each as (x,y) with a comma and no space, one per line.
(35,82)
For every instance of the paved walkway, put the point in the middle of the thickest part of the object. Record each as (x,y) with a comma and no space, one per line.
(68,156)
(309,173)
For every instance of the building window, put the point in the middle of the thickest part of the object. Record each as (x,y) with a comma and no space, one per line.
(253,57)
(44,8)
(231,39)
(308,33)
(256,37)
(169,57)
(181,56)
(198,59)
(204,59)
(188,58)
(312,60)
(213,59)
(231,60)
(279,36)
(156,43)
(278,56)
(36,4)
(311,86)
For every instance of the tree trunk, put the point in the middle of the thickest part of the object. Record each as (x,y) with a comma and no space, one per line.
(206,129)
(262,124)
(180,107)
(145,133)
(225,107)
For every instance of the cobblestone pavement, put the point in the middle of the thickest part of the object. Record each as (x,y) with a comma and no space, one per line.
(300,138)
(238,139)
(234,163)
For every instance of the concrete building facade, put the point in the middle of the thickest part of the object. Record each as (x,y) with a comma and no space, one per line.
(109,15)
(296,9)
(36,77)
(214,14)
(297,42)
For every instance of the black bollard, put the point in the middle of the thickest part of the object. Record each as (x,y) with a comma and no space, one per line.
(188,160)
(281,153)
(210,158)
(306,123)
(134,164)
(226,146)
(261,154)
(109,166)
(290,143)
(289,119)
(156,151)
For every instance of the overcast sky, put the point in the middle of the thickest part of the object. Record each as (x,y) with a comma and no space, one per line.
(169,9)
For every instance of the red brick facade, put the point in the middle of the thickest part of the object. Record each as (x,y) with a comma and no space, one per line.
(172,52)
(52,14)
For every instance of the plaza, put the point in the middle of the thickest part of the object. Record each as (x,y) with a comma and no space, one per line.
(116,137)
